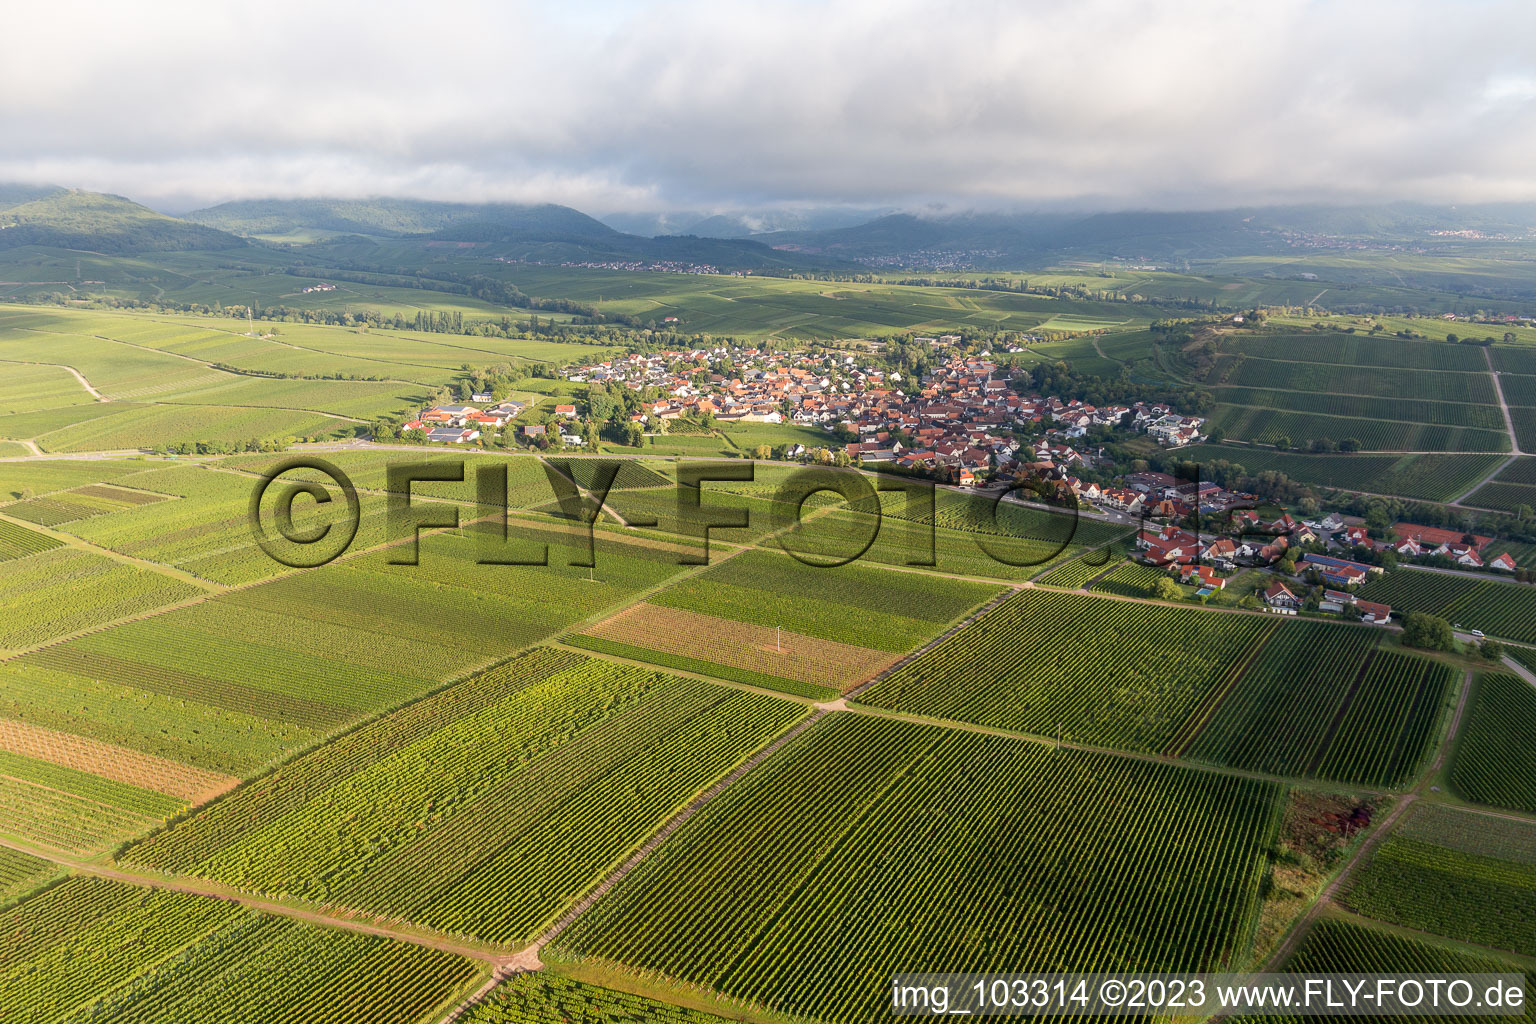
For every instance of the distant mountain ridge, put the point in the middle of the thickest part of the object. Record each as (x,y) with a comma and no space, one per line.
(544,232)
(96,222)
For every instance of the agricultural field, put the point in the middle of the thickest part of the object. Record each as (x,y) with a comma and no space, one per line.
(779,307)
(234,681)
(1389,394)
(1080,571)
(33,387)
(80,503)
(1336,945)
(764,618)
(1321,700)
(1274,426)
(548,998)
(1493,762)
(486,809)
(1130,579)
(1460,874)
(90,949)
(1104,672)
(66,589)
(1497,608)
(16,541)
(20,873)
(1513,487)
(867,846)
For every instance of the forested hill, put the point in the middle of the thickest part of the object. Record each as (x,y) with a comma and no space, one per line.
(93,221)
(544,233)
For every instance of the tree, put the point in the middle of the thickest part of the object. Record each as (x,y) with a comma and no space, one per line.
(1167,590)
(1283,441)
(1428,632)
(1491,650)
(634,436)
(762,452)
(1350,444)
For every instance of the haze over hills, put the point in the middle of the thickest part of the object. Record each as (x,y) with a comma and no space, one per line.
(49,216)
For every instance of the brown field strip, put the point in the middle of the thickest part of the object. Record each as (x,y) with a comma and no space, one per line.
(112,762)
(742,645)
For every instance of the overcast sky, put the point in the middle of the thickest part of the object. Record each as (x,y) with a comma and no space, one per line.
(717,105)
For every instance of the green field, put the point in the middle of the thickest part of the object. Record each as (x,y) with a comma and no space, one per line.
(547,998)
(1463,875)
(471,801)
(1430,477)
(868,846)
(1389,394)
(89,949)
(1106,672)
(1494,762)
(1499,609)
(1341,946)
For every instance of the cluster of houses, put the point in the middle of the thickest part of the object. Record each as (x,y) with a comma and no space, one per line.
(1247,539)
(959,423)
(460,424)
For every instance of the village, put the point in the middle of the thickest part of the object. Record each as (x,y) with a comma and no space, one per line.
(966,425)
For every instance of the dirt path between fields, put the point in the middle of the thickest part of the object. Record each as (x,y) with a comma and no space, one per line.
(1498,389)
(1380,830)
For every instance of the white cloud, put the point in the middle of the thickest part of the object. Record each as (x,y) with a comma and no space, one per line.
(703,103)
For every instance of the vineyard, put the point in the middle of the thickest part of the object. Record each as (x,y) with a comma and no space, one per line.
(1131,579)
(1431,477)
(485,810)
(1499,609)
(1362,350)
(1271,426)
(88,950)
(244,676)
(19,542)
(1112,673)
(81,503)
(1078,572)
(1472,387)
(66,589)
(1463,875)
(854,604)
(1452,414)
(1337,946)
(62,807)
(20,873)
(869,846)
(1388,727)
(1494,762)
(1276,718)
(903,542)
(546,998)
(1321,700)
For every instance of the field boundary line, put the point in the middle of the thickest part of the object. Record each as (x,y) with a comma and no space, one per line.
(528,958)
(1205,713)
(852,692)
(1338,716)
(1498,389)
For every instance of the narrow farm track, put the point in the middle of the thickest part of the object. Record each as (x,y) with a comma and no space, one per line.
(1501,467)
(77,374)
(1498,389)
(197,887)
(1326,898)
(1520,670)
(854,691)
